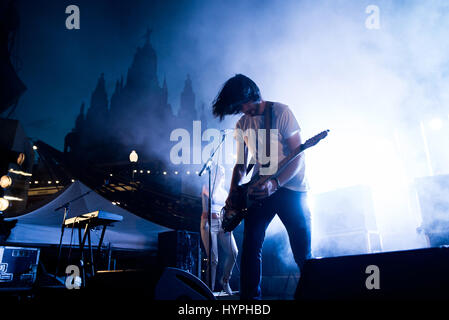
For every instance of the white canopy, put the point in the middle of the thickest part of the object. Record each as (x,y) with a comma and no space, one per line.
(43,226)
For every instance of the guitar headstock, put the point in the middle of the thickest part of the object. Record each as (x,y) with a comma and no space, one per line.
(315,139)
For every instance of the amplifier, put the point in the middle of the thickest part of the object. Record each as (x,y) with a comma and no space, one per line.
(18,267)
(180,249)
(419,274)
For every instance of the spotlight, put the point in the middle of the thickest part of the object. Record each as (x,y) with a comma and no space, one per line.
(19,172)
(176,172)
(188,172)
(34,147)
(5,182)
(148,171)
(4,204)
(165,172)
(11,198)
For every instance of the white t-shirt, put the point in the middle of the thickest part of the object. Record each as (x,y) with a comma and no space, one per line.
(219,197)
(283,126)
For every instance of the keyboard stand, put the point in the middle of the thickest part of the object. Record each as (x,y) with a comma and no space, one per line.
(88,222)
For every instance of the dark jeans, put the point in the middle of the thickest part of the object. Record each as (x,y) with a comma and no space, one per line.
(293,210)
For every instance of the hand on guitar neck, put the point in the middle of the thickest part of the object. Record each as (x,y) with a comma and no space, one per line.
(263,190)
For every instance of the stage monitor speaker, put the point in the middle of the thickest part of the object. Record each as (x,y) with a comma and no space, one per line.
(14,141)
(176,284)
(124,285)
(412,274)
(18,267)
(343,214)
(434,204)
(180,249)
(344,210)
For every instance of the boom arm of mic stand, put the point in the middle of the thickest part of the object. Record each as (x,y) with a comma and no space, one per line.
(209,161)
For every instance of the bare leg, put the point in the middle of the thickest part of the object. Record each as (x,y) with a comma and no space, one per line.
(214,261)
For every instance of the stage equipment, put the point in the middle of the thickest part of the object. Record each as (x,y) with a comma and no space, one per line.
(176,284)
(126,287)
(12,183)
(16,157)
(344,223)
(180,249)
(18,267)
(89,221)
(4,204)
(411,274)
(434,202)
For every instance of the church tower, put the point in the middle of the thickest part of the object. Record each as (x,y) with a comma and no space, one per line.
(142,75)
(187,110)
(79,122)
(98,102)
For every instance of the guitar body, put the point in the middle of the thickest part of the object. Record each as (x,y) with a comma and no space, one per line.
(241,203)
(240,200)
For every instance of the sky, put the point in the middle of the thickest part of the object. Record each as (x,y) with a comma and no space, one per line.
(61,67)
(377,89)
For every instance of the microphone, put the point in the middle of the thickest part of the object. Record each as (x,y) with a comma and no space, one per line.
(225,132)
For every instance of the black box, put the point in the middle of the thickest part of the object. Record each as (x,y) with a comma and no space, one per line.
(180,249)
(18,267)
(419,274)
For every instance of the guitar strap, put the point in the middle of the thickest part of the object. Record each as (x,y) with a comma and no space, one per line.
(267,118)
(267,127)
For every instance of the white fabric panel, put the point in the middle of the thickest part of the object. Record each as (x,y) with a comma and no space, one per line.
(43,226)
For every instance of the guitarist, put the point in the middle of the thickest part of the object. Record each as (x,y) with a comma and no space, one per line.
(285,195)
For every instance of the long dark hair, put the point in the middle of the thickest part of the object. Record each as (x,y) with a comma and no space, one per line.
(236,91)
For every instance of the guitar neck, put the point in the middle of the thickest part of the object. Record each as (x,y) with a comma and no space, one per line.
(292,156)
(283,164)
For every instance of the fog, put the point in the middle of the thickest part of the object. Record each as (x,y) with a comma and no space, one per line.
(377,78)
(377,90)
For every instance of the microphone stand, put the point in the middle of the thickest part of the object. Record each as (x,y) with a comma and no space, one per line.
(207,166)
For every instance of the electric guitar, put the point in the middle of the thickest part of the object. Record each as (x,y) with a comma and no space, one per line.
(242,201)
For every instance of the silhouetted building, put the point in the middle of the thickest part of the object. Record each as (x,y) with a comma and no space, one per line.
(187,110)
(137,117)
